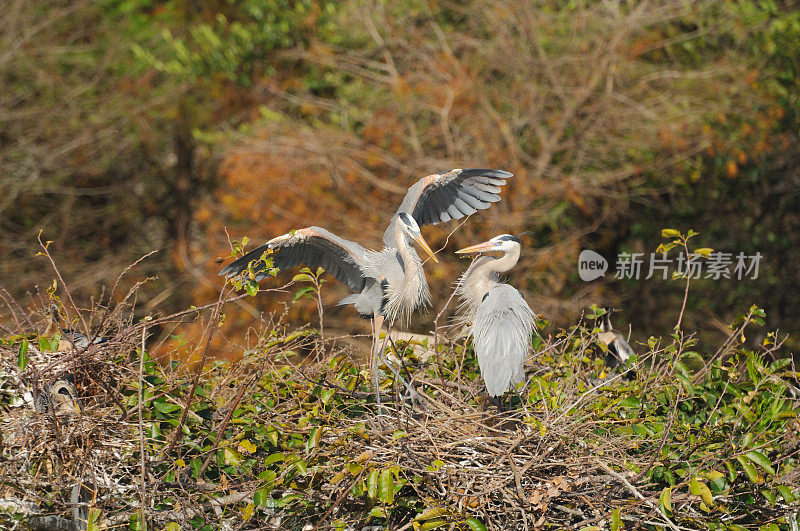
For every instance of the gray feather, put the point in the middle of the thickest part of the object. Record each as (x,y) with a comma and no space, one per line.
(312,246)
(501,333)
(439,198)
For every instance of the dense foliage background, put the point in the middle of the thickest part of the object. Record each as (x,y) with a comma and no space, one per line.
(133,125)
(164,132)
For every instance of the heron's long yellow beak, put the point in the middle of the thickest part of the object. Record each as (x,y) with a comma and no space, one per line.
(422,243)
(479,248)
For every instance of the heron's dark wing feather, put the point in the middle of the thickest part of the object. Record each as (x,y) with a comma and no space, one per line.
(312,246)
(449,195)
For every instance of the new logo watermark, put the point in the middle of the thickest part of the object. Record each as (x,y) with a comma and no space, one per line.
(591,265)
(716,265)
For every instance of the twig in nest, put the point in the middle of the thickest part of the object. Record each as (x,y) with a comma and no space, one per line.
(636,492)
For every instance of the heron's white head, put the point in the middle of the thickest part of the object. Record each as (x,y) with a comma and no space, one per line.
(503,243)
(411,229)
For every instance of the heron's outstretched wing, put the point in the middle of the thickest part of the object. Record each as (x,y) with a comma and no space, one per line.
(501,333)
(313,246)
(449,195)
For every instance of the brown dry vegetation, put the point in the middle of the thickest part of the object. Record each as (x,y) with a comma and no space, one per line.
(617,120)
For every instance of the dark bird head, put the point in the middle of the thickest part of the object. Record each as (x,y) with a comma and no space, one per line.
(604,320)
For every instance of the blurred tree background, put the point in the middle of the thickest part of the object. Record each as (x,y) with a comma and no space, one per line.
(133,125)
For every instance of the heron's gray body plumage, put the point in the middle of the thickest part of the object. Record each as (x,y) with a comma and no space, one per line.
(406,288)
(390,282)
(498,319)
(501,332)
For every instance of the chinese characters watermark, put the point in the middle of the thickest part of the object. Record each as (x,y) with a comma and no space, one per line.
(715,266)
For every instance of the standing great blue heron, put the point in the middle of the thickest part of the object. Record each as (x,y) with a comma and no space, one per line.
(387,284)
(502,322)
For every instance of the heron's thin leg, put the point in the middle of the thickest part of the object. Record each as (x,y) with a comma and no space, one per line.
(411,391)
(377,324)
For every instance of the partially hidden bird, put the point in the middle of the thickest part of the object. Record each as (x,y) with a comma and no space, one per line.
(70,338)
(388,284)
(58,398)
(499,320)
(618,351)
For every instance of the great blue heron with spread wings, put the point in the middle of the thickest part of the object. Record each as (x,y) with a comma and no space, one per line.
(388,284)
(501,320)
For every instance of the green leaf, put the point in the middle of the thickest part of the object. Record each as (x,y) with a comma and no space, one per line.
(631,402)
(432,512)
(749,469)
(386,487)
(269,480)
(769,527)
(704,251)
(326,394)
(698,488)
(475,524)
(94,516)
(372,483)
(665,501)
(302,277)
(231,457)
(786,493)
(399,434)
(761,460)
(615,523)
(313,438)
(303,292)
(665,247)
(46,343)
(770,496)
(252,288)
(274,458)
(247,446)
(670,233)
(22,357)
(272,435)
(166,407)
(378,512)
(135,522)
(436,465)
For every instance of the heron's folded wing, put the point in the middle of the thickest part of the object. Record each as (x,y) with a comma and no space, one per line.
(450,195)
(501,331)
(312,246)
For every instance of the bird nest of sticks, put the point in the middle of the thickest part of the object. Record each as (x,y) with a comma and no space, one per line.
(277,442)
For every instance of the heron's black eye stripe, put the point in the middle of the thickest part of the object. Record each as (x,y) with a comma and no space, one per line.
(509,238)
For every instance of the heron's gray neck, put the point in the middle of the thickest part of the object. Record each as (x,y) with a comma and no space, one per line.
(404,249)
(483,276)
(490,268)
(405,298)
(605,323)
